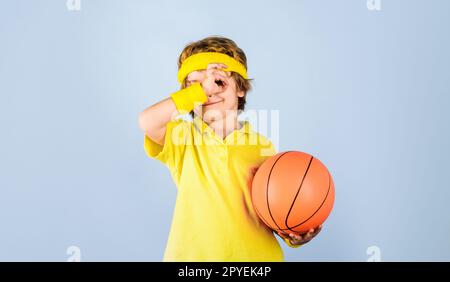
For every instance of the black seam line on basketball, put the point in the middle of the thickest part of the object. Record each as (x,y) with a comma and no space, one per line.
(267,188)
(296,195)
(326,196)
(323,202)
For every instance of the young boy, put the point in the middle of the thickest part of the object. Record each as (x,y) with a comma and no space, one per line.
(212,159)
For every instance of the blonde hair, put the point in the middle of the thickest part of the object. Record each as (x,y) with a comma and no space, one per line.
(225,46)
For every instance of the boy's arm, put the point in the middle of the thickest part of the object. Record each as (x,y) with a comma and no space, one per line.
(165,136)
(153,120)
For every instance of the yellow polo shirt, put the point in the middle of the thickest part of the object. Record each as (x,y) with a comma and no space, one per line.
(213,218)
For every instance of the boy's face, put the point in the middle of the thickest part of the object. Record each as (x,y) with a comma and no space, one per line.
(220,103)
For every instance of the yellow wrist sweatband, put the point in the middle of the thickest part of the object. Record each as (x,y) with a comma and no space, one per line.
(201,61)
(187,98)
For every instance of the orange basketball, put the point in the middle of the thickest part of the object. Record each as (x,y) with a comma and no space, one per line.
(292,192)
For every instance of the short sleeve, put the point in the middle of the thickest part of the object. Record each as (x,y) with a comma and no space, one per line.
(175,141)
(266,147)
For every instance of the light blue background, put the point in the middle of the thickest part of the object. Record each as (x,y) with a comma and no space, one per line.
(367,92)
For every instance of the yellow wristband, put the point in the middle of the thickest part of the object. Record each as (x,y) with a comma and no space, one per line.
(186,99)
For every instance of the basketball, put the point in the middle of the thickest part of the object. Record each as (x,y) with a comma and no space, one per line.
(292,192)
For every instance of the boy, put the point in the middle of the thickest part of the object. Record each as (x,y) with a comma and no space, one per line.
(212,159)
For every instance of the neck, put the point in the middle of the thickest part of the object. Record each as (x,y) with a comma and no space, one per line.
(223,127)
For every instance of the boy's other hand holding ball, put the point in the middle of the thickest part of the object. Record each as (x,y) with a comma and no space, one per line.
(300,239)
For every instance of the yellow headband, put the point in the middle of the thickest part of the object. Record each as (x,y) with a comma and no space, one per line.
(200,61)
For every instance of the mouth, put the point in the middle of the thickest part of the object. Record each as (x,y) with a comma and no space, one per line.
(212,103)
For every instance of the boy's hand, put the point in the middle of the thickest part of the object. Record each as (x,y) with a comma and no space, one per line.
(300,239)
(216,80)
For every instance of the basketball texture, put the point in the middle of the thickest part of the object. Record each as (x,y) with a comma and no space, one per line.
(292,192)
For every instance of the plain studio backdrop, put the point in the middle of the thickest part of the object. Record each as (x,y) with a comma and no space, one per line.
(363,88)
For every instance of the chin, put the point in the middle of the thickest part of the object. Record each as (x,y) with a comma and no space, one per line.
(212,115)
(216,114)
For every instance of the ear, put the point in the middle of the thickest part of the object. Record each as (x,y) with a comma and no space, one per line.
(241,94)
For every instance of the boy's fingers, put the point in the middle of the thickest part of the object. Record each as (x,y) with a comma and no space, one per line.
(294,236)
(305,237)
(310,231)
(211,68)
(210,81)
(223,68)
(209,72)
(318,229)
(283,235)
(308,235)
(218,73)
(214,74)
(217,68)
(223,72)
